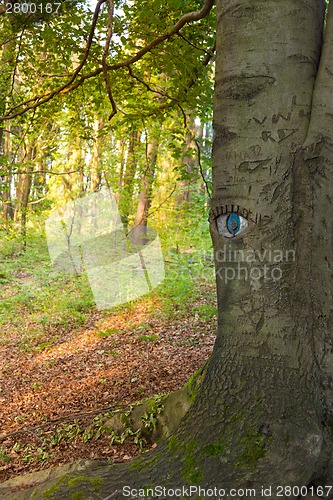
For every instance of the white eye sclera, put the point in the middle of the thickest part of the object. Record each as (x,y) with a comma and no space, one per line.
(231,225)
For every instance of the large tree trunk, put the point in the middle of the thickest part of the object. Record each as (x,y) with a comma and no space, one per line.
(272,329)
(262,416)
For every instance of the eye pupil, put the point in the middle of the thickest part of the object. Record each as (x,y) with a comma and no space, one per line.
(233,223)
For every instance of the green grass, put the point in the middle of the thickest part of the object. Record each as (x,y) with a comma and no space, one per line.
(33,292)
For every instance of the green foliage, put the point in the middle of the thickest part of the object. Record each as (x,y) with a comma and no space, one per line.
(3,456)
(49,298)
(53,146)
(34,293)
(149,418)
(107,332)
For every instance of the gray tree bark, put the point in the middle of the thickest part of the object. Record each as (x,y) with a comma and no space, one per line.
(270,164)
(139,230)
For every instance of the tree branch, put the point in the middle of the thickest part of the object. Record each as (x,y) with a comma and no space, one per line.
(209,56)
(70,85)
(201,169)
(192,44)
(148,87)
(185,19)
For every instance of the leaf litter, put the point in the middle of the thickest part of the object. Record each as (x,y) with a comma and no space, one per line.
(54,391)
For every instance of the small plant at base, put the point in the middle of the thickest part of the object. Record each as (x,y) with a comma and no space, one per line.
(3,455)
(149,418)
(138,439)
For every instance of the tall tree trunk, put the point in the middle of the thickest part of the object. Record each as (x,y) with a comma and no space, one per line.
(145,197)
(125,202)
(7,206)
(22,193)
(7,64)
(73,182)
(269,341)
(121,147)
(95,168)
(188,164)
(38,187)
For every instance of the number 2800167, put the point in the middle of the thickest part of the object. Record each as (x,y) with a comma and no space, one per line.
(304,491)
(32,8)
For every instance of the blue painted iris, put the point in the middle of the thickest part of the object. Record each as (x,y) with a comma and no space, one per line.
(231,225)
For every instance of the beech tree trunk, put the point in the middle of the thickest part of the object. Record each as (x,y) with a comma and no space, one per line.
(23,188)
(262,416)
(270,162)
(125,201)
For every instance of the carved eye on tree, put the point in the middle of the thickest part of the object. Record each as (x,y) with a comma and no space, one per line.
(231,225)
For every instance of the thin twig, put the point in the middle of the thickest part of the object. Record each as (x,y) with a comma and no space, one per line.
(183,113)
(193,45)
(201,169)
(148,87)
(153,211)
(162,202)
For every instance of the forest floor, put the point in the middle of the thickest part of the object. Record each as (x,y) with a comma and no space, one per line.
(59,380)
